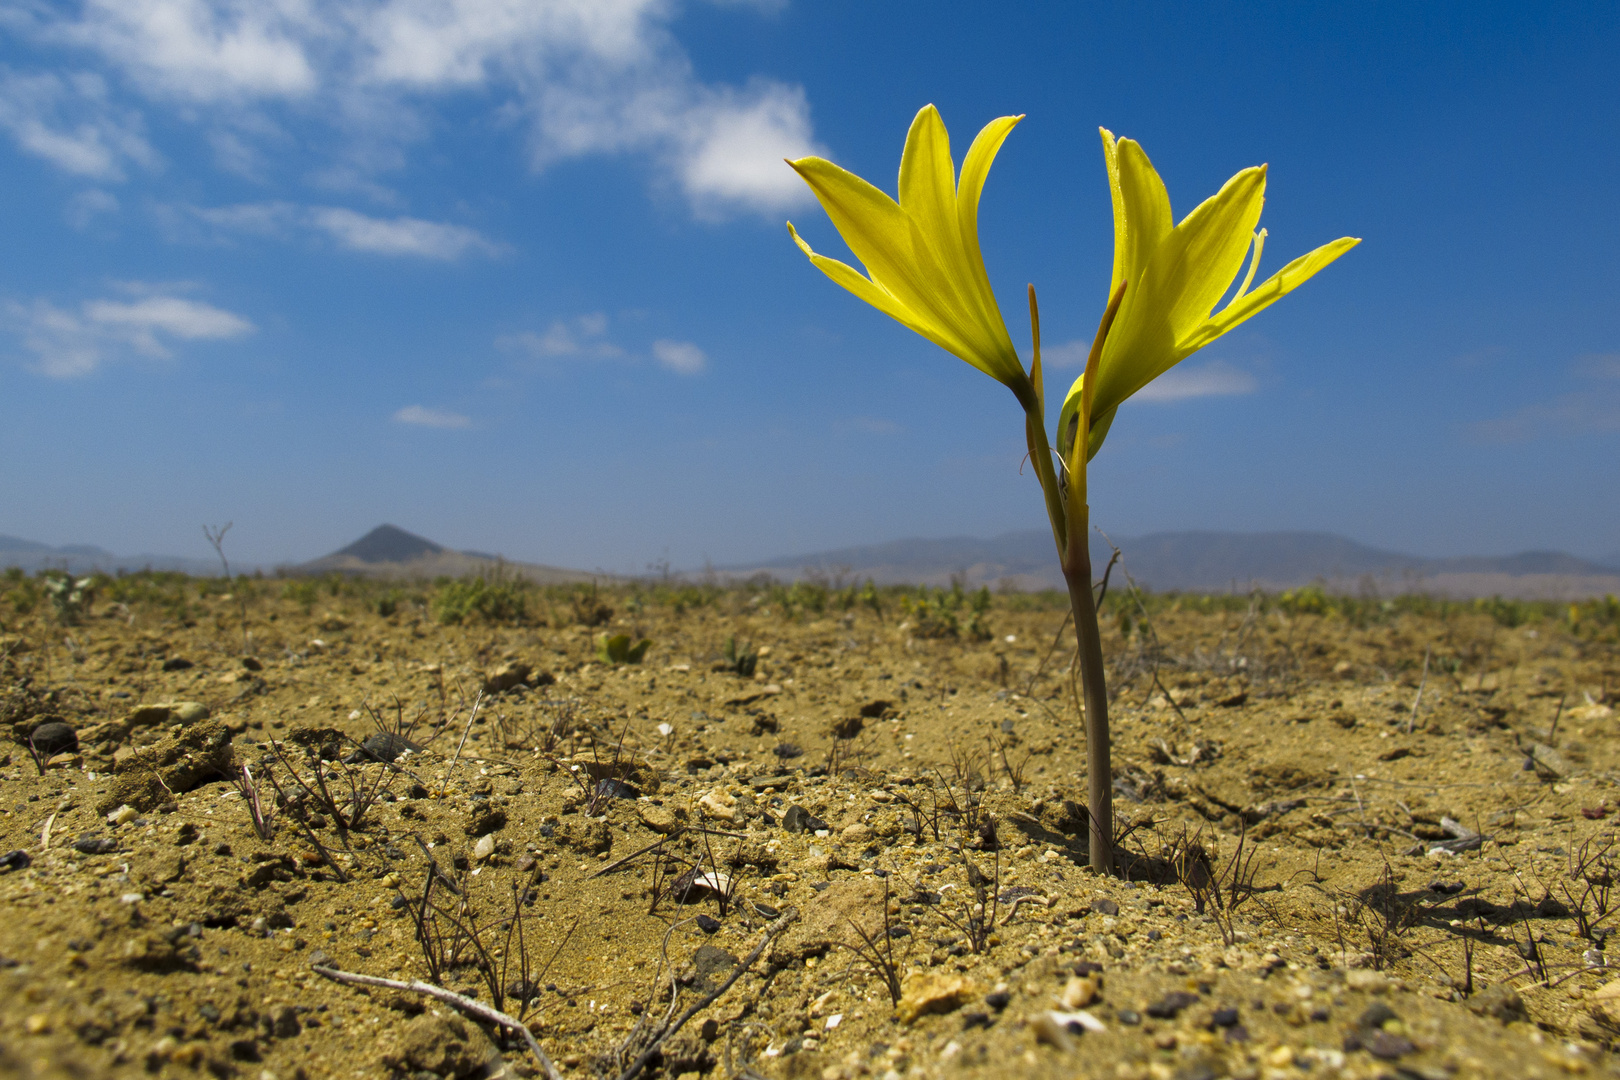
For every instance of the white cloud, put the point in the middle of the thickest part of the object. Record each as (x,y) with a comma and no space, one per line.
(68,344)
(205,50)
(587,77)
(422,416)
(733,149)
(69,122)
(583,337)
(399,236)
(1593,409)
(84,207)
(1070,354)
(1214,379)
(681,357)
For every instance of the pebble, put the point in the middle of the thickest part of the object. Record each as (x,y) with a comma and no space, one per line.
(383,746)
(932,992)
(1168,1006)
(54,737)
(485,847)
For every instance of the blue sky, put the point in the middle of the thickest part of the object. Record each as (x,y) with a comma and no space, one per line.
(514,275)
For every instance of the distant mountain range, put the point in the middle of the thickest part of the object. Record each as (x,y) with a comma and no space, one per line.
(1163,562)
(389,551)
(1208,562)
(83,558)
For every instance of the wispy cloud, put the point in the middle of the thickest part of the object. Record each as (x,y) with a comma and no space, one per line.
(422,416)
(583,76)
(587,338)
(681,357)
(1595,408)
(582,337)
(407,237)
(69,121)
(401,235)
(1214,379)
(69,343)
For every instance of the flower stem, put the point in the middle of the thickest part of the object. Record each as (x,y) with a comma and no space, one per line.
(1094,692)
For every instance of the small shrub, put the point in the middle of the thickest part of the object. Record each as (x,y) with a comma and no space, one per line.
(619,649)
(493,601)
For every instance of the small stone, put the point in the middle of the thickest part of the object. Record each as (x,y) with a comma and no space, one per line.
(1168,1006)
(1366,980)
(124,813)
(1129,1017)
(1376,1015)
(998,999)
(1503,1003)
(1078,993)
(799,820)
(1224,1018)
(54,737)
(708,924)
(95,845)
(1386,1047)
(484,848)
(16,859)
(506,676)
(720,805)
(933,992)
(382,746)
(1104,906)
(856,835)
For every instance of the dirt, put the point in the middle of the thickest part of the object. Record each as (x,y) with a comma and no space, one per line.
(1376,844)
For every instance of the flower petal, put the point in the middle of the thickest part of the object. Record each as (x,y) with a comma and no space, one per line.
(888,243)
(1270,291)
(874,294)
(1144,205)
(928,181)
(1205,252)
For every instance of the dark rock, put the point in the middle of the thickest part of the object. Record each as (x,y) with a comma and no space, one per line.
(847,728)
(976,1020)
(708,924)
(1386,1047)
(53,737)
(1104,906)
(1224,1018)
(95,845)
(1376,1015)
(383,746)
(16,859)
(615,789)
(1500,1003)
(799,820)
(997,999)
(1168,1006)
(485,819)
(177,663)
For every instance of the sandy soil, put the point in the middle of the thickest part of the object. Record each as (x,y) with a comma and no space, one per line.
(1329,873)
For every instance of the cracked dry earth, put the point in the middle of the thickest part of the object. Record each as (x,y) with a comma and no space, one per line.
(1331,874)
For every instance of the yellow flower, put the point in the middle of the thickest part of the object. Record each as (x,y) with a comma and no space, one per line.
(923,266)
(1173,276)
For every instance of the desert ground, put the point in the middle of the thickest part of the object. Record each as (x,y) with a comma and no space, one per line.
(820,831)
